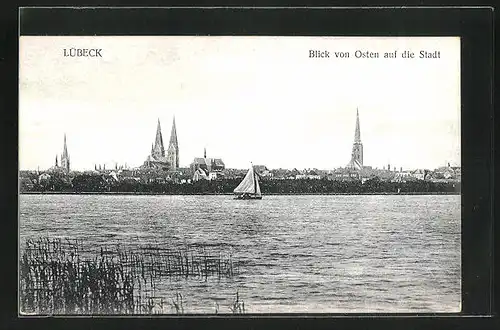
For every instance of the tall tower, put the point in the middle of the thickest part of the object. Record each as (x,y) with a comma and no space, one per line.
(173,148)
(357,148)
(65,156)
(158,149)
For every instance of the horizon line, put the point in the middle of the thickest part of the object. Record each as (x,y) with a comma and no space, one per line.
(393,169)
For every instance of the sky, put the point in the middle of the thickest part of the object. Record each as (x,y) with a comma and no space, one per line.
(244,99)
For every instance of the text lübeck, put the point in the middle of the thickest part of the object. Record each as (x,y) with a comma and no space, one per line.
(82,52)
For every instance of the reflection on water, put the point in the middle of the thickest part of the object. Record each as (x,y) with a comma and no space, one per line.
(296,253)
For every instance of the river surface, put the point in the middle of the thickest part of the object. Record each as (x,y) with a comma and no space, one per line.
(298,254)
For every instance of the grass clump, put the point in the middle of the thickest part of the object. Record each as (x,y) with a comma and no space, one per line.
(60,277)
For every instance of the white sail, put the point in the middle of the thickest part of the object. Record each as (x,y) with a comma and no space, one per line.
(248,184)
(257,186)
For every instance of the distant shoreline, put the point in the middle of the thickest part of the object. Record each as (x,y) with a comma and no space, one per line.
(227,194)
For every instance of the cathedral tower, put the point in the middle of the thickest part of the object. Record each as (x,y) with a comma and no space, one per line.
(158,149)
(173,148)
(357,148)
(65,156)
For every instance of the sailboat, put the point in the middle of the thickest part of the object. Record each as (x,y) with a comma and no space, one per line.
(249,188)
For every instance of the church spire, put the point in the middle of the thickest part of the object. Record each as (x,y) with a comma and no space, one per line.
(159,150)
(65,156)
(357,147)
(65,148)
(173,148)
(57,164)
(357,133)
(173,135)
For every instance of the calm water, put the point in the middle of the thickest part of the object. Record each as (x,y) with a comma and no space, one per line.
(299,253)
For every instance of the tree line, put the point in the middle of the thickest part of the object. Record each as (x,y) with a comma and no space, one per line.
(101,183)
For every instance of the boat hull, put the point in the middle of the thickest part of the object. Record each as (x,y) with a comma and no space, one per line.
(248,197)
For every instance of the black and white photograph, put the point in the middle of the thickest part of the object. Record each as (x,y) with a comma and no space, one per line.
(177,175)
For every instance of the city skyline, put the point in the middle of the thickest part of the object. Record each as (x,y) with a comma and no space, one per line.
(240,107)
(111,166)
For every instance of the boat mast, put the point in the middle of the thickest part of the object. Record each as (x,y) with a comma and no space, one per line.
(254,182)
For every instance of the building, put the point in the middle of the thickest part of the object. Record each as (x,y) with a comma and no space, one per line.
(343,174)
(158,159)
(65,157)
(262,171)
(356,161)
(419,174)
(65,162)
(233,173)
(446,173)
(208,164)
(293,174)
(384,174)
(44,178)
(200,174)
(308,174)
(403,176)
(203,167)
(260,168)
(411,175)
(173,149)
(279,173)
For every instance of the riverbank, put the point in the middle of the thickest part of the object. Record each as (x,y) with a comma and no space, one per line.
(375,186)
(228,194)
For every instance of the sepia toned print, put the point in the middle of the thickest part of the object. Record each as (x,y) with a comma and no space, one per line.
(239,175)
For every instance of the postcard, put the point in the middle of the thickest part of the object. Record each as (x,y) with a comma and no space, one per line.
(210,175)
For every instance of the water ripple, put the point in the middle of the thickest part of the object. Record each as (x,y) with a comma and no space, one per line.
(294,253)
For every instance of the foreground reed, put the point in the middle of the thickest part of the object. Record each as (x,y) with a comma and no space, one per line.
(60,277)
